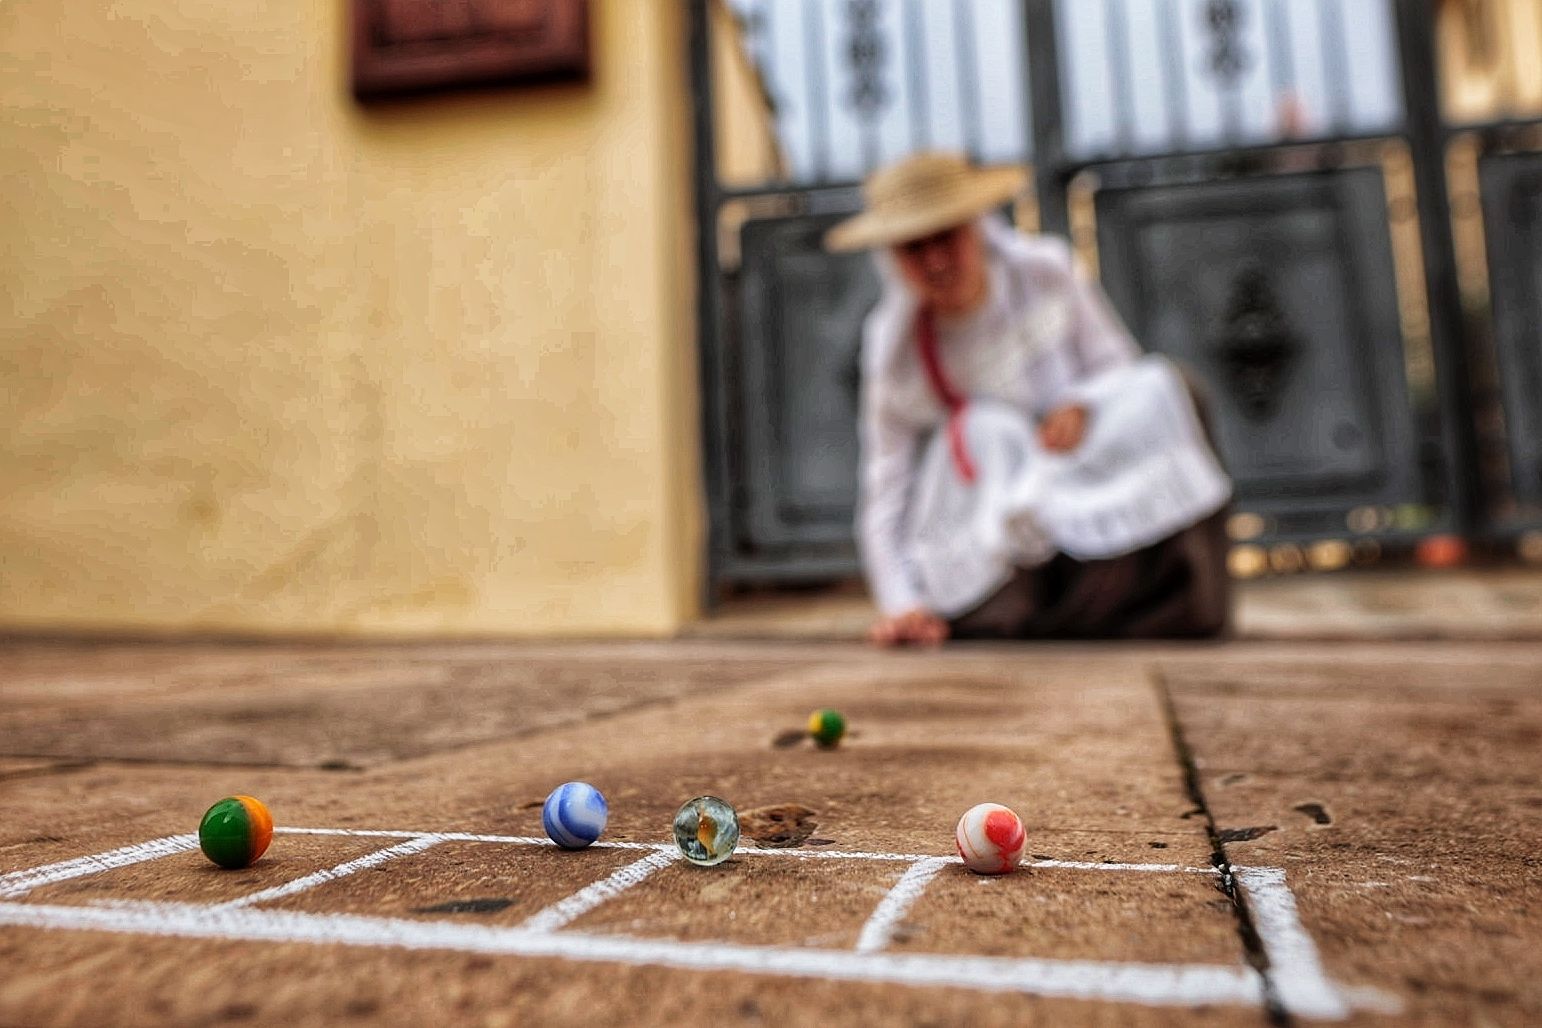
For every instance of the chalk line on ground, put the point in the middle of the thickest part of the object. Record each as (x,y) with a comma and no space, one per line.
(19,883)
(1294,967)
(1154,984)
(878,932)
(742,851)
(586,899)
(332,874)
(407,833)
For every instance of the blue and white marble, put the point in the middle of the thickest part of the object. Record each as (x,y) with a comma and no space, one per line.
(574,815)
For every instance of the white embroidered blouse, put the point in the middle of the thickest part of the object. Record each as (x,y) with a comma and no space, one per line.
(1044,328)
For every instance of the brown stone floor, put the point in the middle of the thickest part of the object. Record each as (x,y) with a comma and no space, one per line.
(1395,784)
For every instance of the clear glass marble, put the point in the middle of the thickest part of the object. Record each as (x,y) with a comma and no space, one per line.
(706,830)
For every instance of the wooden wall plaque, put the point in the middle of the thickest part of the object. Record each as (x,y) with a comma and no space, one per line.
(414,46)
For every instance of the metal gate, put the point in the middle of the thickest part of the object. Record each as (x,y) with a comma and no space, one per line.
(1352,265)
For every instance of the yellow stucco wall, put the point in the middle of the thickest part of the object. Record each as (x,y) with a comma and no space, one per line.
(270,362)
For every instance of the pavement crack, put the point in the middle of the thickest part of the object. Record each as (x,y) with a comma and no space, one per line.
(1247,931)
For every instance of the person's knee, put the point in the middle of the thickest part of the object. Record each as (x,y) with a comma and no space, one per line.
(993,417)
(1212,616)
(993,430)
(1211,607)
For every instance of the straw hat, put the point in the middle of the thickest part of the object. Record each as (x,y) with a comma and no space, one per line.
(924,193)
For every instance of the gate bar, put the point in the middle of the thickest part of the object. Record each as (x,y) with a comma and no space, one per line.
(1047,120)
(1427,138)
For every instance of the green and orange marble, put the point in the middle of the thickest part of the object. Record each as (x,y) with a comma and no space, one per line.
(235,831)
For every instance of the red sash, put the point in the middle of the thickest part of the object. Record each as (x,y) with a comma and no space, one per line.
(952,399)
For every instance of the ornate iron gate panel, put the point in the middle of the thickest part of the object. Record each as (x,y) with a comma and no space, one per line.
(1280,292)
(802,313)
(1506,279)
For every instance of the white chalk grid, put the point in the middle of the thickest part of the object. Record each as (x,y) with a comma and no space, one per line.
(1295,980)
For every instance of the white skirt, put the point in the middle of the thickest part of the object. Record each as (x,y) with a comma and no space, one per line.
(1143,472)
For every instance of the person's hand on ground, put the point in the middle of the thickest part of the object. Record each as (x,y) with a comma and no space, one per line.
(914,626)
(1063,428)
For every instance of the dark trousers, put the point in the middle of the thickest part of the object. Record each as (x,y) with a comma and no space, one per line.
(1178,588)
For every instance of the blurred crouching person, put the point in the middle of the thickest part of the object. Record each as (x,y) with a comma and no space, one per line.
(1026,472)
